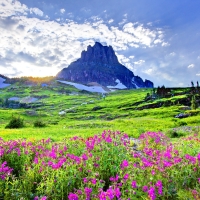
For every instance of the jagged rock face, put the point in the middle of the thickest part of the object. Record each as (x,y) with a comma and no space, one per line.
(100,64)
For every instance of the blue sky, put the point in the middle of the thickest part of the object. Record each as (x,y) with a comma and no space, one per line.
(158,40)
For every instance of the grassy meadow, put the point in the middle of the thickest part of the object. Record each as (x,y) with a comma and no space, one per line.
(84,146)
(88,113)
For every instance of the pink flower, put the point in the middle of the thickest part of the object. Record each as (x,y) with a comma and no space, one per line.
(145,188)
(102,196)
(72,196)
(126,177)
(124,164)
(84,157)
(93,181)
(110,193)
(152,193)
(85,180)
(159,186)
(134,184)
(117,193)
(153,172)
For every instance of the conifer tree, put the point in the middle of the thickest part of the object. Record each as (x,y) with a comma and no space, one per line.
(194,104)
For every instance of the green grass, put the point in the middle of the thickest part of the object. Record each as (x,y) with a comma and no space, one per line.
(119,111)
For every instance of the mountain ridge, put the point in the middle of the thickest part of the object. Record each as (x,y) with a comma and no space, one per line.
(100,64)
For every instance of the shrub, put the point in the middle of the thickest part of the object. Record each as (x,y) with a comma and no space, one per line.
(176,133)
(181,123)
(39,123)
(194,104)
(15,122)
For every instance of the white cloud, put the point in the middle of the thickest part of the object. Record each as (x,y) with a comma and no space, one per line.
(191,66)
(123,22)
(39,44)
(131,57)
(70,15)
(165,44)
(62,10)
(111,21)
(172,54)
(155,72)
(141,34)
(149,23)
(148,71)
(123,59)
(157,41)
(125,15)
(139,62)
(11,8)
(86,10)
(36,11)
(198,74)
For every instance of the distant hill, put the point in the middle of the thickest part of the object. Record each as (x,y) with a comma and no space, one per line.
(100,64)
(4,77)
(3,81)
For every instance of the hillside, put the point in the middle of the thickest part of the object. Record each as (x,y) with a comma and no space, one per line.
(68,111)
(100,64)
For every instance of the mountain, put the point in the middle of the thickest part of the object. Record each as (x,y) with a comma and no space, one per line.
(100,64)
(3,80)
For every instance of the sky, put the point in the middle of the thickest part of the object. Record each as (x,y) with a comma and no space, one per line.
(158,40)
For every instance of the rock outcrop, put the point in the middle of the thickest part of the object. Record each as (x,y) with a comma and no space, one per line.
(100,64)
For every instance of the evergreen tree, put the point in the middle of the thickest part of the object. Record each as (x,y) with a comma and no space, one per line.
(194,104)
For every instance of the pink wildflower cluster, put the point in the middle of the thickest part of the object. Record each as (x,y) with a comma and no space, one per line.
(5,170)
(110,194)
(101,167)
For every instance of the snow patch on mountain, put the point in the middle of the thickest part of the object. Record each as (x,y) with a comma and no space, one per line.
(2,84)
(118,86)
(98,89)
(133,82)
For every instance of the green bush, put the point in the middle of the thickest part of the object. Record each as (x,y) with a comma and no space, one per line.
(39,123)
(182,123)
(176,133)
(15,122)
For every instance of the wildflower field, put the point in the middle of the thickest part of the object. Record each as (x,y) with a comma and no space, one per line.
(110,165)
(158,158)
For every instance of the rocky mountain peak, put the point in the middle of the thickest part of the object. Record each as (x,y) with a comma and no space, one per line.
(100,64)
(99,54)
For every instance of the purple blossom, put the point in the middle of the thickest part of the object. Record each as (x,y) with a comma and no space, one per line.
(159,186)
(94,181)
(153,172)
(84,157)
(134,184)
(117,192)
(124,164)
(126,177)
(85,180)
(5,170)
(110,193)
(102,195)
(152,193)
(145,188)
(72,196)
(88,191)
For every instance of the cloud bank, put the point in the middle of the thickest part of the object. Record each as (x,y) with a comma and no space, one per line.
(34,44)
